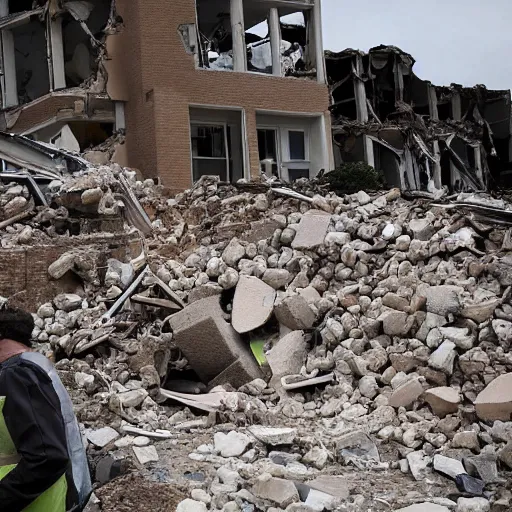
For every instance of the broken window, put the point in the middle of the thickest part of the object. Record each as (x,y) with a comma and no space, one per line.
(267,31)
(215,38)
(32,75)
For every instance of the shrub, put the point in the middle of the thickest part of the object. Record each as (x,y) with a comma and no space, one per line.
(354,176)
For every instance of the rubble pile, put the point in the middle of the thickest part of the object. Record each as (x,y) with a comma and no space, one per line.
(334,335)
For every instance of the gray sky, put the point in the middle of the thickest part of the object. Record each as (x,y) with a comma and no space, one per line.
(462,41)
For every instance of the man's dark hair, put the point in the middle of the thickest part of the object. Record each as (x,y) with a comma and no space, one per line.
(16,324)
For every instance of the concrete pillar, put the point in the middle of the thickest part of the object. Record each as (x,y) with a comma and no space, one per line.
(368,151)
(437,166)
(238,34)
(432,103)
(120,115)
(9,84)
(478,164)
(275,40)
(319,42)
(399,81)
(456,107)
(57,48)
(360,92)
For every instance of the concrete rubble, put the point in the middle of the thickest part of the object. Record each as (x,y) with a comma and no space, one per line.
(262,369)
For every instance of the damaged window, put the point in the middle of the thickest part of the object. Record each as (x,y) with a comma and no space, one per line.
(265,28)
(32,75)
(80,51)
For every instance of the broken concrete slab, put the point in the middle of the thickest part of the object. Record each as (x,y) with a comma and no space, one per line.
(145,454)
(418,465)
(253,304)
(443,400)
(406,394)
(311,230)
(495,401)
(448,466)
(484,467)
(273,436)
(294,312)
(278,491)
(424,507)
(357,445)
(102,436)
(336,486)
(189,505)
(211,345)
(287,356)
(443,358)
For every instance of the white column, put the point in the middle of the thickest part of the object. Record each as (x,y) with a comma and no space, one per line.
(368,151)
(360,93)
(238,34)
(57,48)
(9,84)
(275,41)
(319,43)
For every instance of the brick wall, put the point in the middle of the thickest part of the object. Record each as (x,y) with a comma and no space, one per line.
(163,83)
(24,271)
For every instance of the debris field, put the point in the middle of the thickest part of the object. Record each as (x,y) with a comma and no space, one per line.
(268,348)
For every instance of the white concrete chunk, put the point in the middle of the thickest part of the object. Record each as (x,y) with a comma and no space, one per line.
(253,304)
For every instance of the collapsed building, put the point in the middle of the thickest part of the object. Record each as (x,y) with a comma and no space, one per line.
(421,136)
(183,89)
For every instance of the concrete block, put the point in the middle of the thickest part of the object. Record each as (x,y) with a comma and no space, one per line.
(213,348)
(279,491)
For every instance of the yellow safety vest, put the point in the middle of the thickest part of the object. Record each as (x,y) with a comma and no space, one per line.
(52,500)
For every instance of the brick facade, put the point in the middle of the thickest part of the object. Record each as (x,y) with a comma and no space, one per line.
(162,82)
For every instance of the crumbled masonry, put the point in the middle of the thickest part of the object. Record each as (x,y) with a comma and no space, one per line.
(375,356)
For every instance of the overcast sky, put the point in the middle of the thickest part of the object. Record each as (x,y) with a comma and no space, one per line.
(462,41)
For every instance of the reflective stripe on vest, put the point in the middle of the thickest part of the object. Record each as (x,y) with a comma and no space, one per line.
(54,499)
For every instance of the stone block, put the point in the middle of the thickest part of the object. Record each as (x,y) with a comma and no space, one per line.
(278,491)
(406,394)
(443,400)
(294,312)
(287,356)
(495,401)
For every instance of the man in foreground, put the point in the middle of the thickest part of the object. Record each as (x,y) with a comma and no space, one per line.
(43,465)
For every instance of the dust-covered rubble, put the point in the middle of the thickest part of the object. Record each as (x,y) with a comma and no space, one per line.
(266,342)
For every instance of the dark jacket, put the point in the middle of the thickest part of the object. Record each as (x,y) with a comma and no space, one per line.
(45,432)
